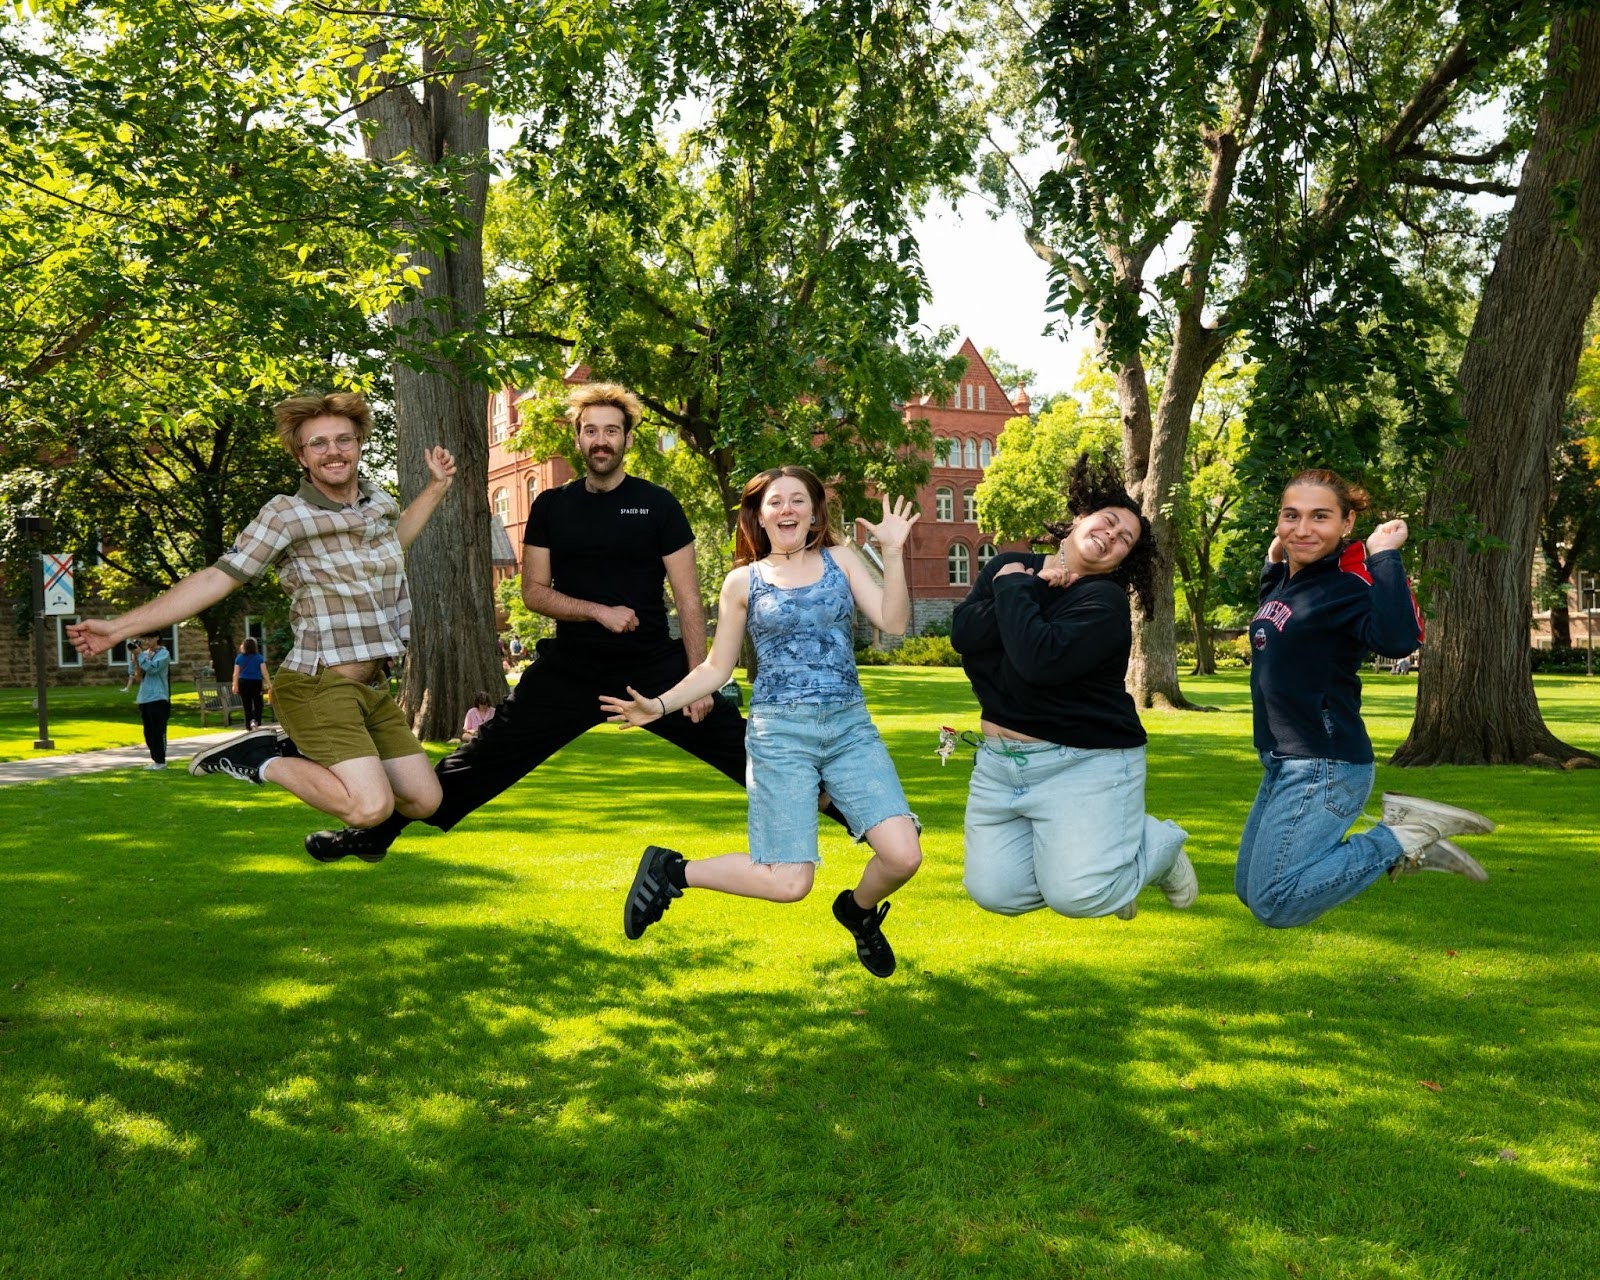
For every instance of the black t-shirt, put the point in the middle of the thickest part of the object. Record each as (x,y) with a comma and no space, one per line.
(608,548)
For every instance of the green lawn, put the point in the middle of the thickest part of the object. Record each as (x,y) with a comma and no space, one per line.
(218,1059)
(90,718)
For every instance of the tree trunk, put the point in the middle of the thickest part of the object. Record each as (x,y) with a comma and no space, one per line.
(219,622)
(1153,667)
(1560,626)
(1475,697)
(453,652)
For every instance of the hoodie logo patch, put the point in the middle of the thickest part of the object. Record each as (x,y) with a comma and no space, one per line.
(1275,612)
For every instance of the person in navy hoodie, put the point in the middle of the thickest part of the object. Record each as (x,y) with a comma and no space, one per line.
(1325,602)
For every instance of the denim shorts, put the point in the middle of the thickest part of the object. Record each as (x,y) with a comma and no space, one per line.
(794,750)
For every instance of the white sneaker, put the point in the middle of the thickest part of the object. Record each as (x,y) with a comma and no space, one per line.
(1441,855)
(154,765)
(1446,819)
(1181,885)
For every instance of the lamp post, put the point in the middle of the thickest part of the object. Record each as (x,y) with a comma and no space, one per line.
(1586,599)
(34,527)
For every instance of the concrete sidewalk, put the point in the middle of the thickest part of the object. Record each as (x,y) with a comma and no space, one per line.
(70,766)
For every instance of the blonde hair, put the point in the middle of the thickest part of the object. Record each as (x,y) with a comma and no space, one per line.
(612,393)
(296,411)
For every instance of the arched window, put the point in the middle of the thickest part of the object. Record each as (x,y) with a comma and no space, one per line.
(971,448)
(969,506)
(986,553)
(502,504)
(942,449)
(944,504)
(985,454)
(533,490)
(960,562)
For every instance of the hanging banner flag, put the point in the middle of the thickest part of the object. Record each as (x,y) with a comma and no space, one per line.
(58,592)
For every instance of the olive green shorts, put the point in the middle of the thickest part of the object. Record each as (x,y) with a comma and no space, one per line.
(331,718)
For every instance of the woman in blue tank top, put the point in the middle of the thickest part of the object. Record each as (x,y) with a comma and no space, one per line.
(795,590)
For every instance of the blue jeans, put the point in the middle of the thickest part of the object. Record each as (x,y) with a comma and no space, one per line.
(1062,827)
(1294,860)
(796,749)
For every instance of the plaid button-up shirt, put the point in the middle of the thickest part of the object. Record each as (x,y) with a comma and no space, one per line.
(343,568)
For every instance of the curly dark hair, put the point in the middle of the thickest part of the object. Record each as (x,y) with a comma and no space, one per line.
(1093,485)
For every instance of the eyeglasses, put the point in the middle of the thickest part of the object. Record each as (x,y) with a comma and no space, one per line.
(321,444)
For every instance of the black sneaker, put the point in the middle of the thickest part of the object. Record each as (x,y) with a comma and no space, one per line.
(240,757)
(286,747)
(652,892)
(367,843)
(873,948)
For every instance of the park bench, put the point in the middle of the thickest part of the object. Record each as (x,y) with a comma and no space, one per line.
(218,700)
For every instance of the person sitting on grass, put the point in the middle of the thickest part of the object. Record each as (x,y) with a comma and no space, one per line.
(795,589)
(1055,812)
(338,545)
(478,714)
(1326,601)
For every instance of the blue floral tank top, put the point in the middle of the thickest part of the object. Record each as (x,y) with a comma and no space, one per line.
(803,639)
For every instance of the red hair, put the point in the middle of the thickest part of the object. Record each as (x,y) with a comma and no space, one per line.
(750,541)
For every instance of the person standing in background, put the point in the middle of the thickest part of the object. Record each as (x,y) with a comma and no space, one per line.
(155,697)
(251,682)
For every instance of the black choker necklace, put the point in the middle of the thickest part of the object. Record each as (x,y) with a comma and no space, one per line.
(787,555)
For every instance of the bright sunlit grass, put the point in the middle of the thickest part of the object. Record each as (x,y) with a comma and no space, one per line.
(220,1059)
(89,719)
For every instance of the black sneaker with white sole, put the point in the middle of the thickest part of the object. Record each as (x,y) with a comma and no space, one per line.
(370,844)
(866,927)
(240,757)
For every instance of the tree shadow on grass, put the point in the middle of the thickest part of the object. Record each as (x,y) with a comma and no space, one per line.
(224,1061)
(482,1103)
(233,1069)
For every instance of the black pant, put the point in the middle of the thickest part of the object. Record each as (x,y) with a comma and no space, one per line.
(155,716)
(250,701)
(556,701)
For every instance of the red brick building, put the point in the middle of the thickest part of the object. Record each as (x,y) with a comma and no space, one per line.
(515,479)
(946,548)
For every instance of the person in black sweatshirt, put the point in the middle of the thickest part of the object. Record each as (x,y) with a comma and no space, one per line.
(1055,813)
(1325,602)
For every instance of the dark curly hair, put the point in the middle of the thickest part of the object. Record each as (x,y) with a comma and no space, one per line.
(1093,485)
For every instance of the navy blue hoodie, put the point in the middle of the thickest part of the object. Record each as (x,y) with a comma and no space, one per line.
(1309,638)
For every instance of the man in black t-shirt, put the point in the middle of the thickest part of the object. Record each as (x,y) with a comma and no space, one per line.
(598,551)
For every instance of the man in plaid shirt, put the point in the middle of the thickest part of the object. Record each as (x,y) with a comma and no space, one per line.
(338,545)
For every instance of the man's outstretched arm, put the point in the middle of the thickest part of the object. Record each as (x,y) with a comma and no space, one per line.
(178,603)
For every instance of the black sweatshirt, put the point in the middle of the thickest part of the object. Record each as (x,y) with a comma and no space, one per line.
(1049,662)
(1309,638)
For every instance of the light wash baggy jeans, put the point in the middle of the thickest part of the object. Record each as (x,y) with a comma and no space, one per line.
(1062,827)
(1294,862)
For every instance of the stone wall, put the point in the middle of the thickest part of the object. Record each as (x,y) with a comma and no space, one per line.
(16,654)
